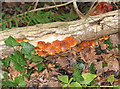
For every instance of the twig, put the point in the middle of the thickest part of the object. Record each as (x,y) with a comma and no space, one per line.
(55,4)
(91,10)
(36,4)
(77,10)
(30,7)
(47,7)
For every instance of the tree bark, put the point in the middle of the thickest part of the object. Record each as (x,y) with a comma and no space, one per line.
(88,28)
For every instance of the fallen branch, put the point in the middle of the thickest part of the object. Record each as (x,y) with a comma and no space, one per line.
(85,29)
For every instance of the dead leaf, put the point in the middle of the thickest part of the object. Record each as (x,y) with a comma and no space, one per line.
(114,40)
(13,73)
(49,66)
(113,65)
(62,61)
(98,67)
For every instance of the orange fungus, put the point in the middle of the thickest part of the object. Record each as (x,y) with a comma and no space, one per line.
(92,43)
(47,46)
(19,40)
(42,53)
(57,44)
(65,45)
(41,44)
(26,40)
(72,41)
(106,37)
(52,51)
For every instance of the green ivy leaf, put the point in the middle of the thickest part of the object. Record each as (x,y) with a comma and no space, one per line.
(80,66)
(18,67)
(20,81)
(5,74)
(37,59)
(88,78)
(41,66)
(111,79)
(9,83)
(63,78)
(27,48)
(77,75)
(92,68)
(11,42)
(6,61)
(70,80)
(109,43)
(65,86)
(22,84)
(29,56)
(75,84)
(19,62)
(19,58)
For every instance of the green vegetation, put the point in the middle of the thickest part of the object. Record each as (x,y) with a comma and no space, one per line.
(32,18)
(20,63)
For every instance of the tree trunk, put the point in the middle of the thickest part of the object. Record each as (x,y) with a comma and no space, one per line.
(88,28)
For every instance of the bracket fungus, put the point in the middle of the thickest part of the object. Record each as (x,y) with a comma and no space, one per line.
(47,46)
(41,44)
(91,43)
(42,53)
(25,40)
(19,40)
(104,38)
(86,44)
(52,51)
(56,46)
(72,41)
(64,45)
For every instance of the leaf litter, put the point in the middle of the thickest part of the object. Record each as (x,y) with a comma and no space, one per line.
(98,60)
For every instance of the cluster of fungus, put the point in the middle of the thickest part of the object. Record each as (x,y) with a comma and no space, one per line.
(104,38)
(91,44)
(86,44)
(44,49)
(102,7)
(19,40)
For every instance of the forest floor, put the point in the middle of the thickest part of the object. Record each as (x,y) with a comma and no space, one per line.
(103,59)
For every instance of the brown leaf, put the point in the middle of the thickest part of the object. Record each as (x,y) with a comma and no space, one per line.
(62,61)
(114,39)
(113,64)
(49,66)
(98,67)
(13,73)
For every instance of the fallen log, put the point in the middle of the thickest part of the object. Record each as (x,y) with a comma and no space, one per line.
(89,28)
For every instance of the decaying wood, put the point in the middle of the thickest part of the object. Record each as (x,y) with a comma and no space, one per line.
(89,28)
